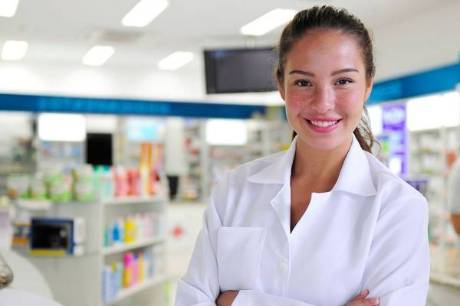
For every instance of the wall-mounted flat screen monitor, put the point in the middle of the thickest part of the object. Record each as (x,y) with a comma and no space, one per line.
(239,70)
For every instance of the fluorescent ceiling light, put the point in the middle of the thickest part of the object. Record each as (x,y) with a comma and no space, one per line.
(98,55)
(144,12)
(268,22)
(175,60)
(226,132)
(61,127)
(8,8)
(14,50)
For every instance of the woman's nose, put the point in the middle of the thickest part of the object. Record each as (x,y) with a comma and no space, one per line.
(323,100)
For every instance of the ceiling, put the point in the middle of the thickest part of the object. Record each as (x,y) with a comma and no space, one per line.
(61,31)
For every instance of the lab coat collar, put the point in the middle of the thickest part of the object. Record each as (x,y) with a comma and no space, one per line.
(355,175)
(279,171)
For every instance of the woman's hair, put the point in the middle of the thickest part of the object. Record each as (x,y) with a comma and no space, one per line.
(328,17)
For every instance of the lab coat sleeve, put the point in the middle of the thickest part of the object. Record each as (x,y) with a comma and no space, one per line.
(397,270)
(200,285)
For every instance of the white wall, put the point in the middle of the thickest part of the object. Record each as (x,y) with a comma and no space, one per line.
(80,80)
(427,40)
(422,42)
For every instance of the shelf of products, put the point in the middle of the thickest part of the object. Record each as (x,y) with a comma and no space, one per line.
(208,162)
(140,247)
(430,153)
(125,293)
(132,246)
(133,201)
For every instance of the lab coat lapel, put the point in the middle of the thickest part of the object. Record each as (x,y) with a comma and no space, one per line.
(278,173)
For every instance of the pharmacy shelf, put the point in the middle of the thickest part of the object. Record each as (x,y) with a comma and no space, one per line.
(131,246)
(125,293)
(133,201)
(34,205)
(444,279)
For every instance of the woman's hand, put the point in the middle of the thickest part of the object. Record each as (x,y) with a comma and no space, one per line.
(226,298)
(361,300)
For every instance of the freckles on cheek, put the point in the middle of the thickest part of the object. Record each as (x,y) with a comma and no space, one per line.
(350,103)
(294,102)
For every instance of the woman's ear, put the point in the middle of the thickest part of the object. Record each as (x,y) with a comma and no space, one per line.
(370,84)
(280,85)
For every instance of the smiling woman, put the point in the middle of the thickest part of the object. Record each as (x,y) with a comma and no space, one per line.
(324,223)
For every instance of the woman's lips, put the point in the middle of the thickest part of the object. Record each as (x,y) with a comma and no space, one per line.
(323,125)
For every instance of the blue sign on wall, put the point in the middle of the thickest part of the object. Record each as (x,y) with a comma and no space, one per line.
(395,133)
(33,103)
(436,80)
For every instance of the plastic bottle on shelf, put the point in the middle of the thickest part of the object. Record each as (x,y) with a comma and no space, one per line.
(108,292)
(37,187)
(119,275)
(122,227)
(114,280)
(107,183)
(135,268)
(107,237)
(129,229)
(59,185)
(116,237)
(141,266)
(139,227)
(121,183)
(128,270)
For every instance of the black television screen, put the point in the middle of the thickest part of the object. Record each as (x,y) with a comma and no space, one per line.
(99,149)
(239,70)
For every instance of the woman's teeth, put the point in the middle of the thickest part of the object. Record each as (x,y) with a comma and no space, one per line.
(323,123)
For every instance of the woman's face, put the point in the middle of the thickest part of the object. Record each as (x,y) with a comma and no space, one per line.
(325,88)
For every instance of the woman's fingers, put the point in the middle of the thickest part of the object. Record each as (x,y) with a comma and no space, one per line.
(361,300)
(365,302)
(361,295)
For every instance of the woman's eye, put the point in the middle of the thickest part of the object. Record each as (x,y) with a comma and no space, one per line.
(302,83)
(344,81)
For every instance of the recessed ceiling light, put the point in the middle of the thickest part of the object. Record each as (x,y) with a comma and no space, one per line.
(98,55)
(268,22)
(14,50)
(144,12)
(8,8)
(175,60)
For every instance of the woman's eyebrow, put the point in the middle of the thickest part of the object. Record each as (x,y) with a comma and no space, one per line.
(301,72)
(333,73)
(345,70)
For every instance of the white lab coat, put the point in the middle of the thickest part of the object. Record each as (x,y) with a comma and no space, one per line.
(368,232)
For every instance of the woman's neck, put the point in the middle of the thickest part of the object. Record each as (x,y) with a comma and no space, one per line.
(319,169)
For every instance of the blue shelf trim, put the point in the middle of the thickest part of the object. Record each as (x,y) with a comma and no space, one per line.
(428,82)
(34,103)
(436,80)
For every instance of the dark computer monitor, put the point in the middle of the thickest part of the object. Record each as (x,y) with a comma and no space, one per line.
(99,149)
(239,70)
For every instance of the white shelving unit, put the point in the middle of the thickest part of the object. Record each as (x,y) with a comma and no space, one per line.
(77,280)
(428,159)
(126,293)
(131,246)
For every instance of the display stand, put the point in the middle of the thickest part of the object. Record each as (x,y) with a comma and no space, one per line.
(78,280)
